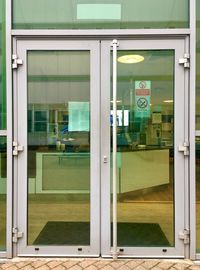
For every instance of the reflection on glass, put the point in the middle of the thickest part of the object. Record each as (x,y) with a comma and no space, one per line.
(100,14)
(198,128)
(2,67)
(198,67)
(198,194)
(3,160)
(145,149)
(58,148)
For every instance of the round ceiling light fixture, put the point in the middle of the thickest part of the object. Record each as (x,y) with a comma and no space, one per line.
(130,59)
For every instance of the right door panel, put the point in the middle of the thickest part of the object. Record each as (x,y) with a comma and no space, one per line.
(150,127)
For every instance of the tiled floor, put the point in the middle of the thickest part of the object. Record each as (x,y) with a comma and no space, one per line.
(96,264)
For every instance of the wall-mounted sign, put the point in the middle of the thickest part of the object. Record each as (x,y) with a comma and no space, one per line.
(142,98)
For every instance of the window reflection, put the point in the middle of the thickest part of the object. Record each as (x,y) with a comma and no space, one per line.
(145,149)
(58,148)
(99,14)
(3,183)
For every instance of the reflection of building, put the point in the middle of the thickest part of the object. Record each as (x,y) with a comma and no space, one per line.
(57,111)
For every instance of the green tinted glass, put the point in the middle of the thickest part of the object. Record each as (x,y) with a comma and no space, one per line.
(99,14)
(2,67)
(3,159)
(58,148)
(198,194)
(145,148)
(198,69)
(198,127)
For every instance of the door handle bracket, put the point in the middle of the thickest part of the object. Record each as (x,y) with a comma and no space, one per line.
(114,42)
(105,159)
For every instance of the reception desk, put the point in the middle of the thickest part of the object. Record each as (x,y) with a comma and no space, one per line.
(70,172)
(143,169)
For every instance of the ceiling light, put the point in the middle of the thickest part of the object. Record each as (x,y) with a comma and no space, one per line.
(118,101)
(130,59)
(168,101)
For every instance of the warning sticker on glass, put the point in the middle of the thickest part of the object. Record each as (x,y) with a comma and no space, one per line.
(142,98)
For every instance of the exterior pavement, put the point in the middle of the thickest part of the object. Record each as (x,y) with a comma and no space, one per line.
(96,264)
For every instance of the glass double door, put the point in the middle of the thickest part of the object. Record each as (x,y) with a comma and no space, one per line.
(74,132)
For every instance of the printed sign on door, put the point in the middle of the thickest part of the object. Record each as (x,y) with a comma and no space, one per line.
(142,98)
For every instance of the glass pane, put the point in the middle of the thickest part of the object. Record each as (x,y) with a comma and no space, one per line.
(198,128)
(58,147)
(3,160)
(198,68)
(2,67)
(198,194)
(100,14)
(145,148)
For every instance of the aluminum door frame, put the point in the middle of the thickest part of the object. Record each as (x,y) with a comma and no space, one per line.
(20,135)
(180,133)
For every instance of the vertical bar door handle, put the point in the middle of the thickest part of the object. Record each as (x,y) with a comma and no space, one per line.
(114,135)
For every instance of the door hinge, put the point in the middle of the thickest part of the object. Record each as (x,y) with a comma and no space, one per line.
(184,148)
(16,235)
(16,61)
(185,61)
(17,148)
(185,236)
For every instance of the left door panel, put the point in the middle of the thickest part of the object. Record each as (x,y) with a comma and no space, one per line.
(57,90)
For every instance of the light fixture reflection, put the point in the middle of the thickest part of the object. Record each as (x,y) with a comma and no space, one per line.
(168,101)
(130,59)
(118,101)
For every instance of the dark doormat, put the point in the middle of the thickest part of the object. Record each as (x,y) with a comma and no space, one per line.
(78,233)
